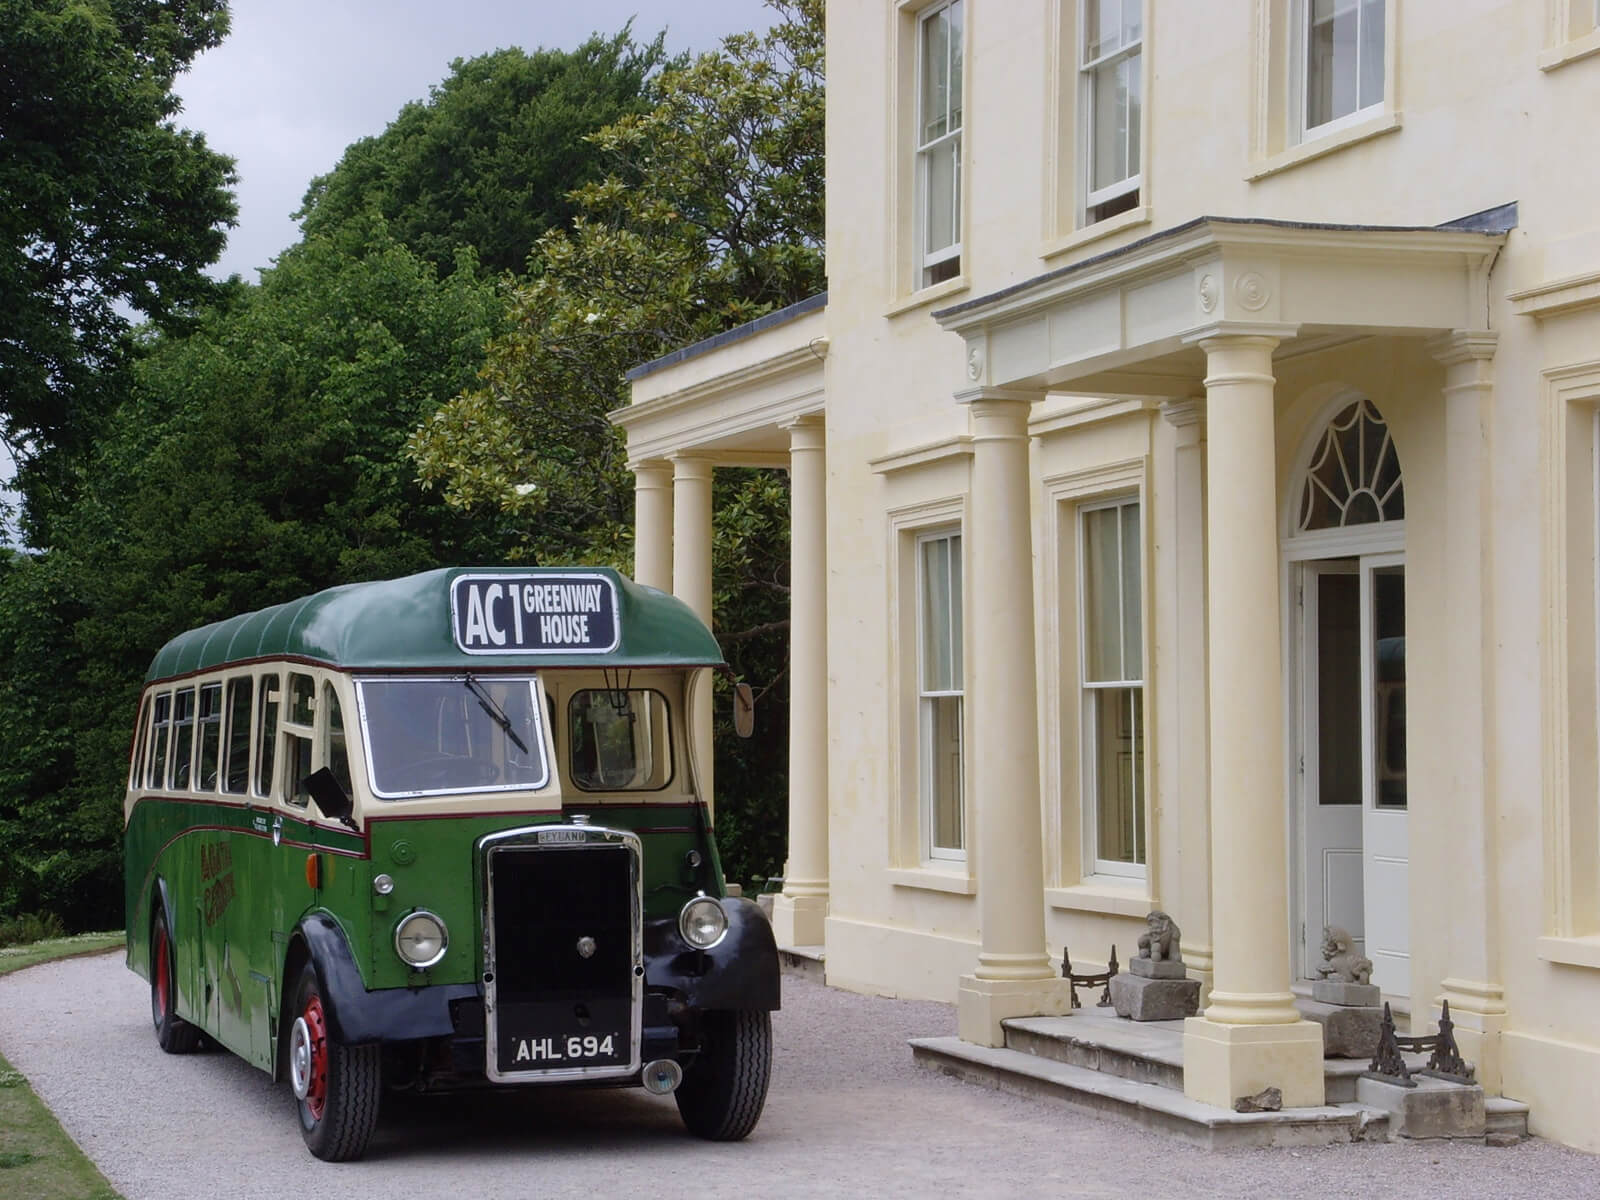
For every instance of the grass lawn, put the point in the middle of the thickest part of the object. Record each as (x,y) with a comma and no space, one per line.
(38,1161)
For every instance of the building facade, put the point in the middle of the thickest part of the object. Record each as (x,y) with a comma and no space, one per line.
(1194,468)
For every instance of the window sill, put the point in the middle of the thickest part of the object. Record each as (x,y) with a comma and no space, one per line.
(1130,901)
(1094,233)
(928,295)
(1326,144)
(933,880)
(1573,951)
(1560,56)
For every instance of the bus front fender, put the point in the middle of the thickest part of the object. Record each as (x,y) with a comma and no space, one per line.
(356,1015)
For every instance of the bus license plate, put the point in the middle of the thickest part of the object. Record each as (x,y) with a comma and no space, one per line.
(568,1050)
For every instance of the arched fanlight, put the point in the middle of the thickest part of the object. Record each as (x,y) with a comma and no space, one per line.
(1354,476)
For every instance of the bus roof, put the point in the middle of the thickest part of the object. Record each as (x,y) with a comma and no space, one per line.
(410,624)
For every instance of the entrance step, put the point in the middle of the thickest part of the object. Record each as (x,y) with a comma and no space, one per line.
(1095,1061)
(802,960)
(1149,1104)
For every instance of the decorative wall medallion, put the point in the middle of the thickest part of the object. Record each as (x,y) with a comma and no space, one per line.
(975,363)
(1252,291)
(1208,293)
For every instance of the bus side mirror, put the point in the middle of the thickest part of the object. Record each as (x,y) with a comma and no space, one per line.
(330,797)
(744,710)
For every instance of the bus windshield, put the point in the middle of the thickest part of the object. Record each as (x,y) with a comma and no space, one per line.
(451,734)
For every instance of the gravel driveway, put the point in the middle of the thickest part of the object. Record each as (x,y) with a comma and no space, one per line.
(848,1115)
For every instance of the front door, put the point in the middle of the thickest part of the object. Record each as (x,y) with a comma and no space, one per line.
(1351,762)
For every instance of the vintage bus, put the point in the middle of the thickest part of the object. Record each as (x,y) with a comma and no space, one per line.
(446,831)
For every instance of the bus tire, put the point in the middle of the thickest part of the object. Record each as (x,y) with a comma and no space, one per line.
(336,1087)
(173,1033)
(725,1087)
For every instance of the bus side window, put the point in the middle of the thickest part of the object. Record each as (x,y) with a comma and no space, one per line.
(267,736)
(296,741)
(236,770)
(141,743)
(182,737)
(335,752)
(158,746)
(210,736)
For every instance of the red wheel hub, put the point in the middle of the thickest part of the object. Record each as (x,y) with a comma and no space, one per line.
(163,997)
(317,1086)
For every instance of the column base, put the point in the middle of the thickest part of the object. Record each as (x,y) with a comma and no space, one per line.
(798,920)
(1221,1063)
(981,1004)
(1479,1013)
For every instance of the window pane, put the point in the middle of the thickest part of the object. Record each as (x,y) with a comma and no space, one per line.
(1389,673)
(1132,641)
(1117,718)
(267,737)
(1103,30)
(941,738)
(302,700)
(937,673)
(336,751)
(182,736)
(1110,125)
(237,772)
(297,756)
(619,740)
(141,741)
(935,76)
(163,731)
(1102,633)
(1371,87)
(955,64)
(210,736)
(438,736)
(940,165)
(1330,62)
(956,621)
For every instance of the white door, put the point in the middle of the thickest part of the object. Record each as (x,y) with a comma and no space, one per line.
(1330,754)
(1385,839)
(1352,762)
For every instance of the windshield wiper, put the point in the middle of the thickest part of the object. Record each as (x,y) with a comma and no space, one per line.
(496,713)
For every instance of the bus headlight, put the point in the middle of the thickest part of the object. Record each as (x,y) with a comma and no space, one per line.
(420,939)
(702,922)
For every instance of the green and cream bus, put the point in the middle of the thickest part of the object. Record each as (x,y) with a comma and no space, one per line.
(445,831)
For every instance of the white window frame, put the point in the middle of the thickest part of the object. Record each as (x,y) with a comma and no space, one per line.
(1087,70)
(955,635)
(1299,78)
(1089,742)
(926,260)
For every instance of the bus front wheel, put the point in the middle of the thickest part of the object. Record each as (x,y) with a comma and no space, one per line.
(336,1087)
(725,1087)
(173,1033)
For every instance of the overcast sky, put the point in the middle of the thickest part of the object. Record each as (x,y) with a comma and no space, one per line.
(295,82)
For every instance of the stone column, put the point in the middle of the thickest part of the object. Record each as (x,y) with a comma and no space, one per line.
(1183,619)
(652,523)
(1251,1035)
(1014,976)
(1473,987)
(691,583)
(798,914)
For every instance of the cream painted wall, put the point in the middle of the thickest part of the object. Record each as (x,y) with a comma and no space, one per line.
(1473,122)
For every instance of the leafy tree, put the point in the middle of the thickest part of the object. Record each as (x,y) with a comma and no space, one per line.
(709,216)
(257,459)
(109,207)
(488,159)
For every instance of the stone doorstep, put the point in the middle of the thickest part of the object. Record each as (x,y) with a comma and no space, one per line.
(802,960)
(1148,1104)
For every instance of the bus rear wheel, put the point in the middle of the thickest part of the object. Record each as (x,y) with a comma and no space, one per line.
(173,1033)
(336,1087)
(725,1088)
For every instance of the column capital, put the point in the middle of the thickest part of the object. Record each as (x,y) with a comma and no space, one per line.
(650,472)
(982,395)
(811,420)
(806,432)
(692,464)
(1181,414)
(1464,346)
(1241,333)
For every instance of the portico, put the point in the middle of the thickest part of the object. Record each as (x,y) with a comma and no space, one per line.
(1213,310)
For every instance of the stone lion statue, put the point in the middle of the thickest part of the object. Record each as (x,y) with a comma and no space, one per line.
(1340,962)
(1159,942)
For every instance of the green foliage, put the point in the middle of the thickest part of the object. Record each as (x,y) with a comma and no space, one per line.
(709,216)
(257,459)
(107,202)
(488,159)
(30,927)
